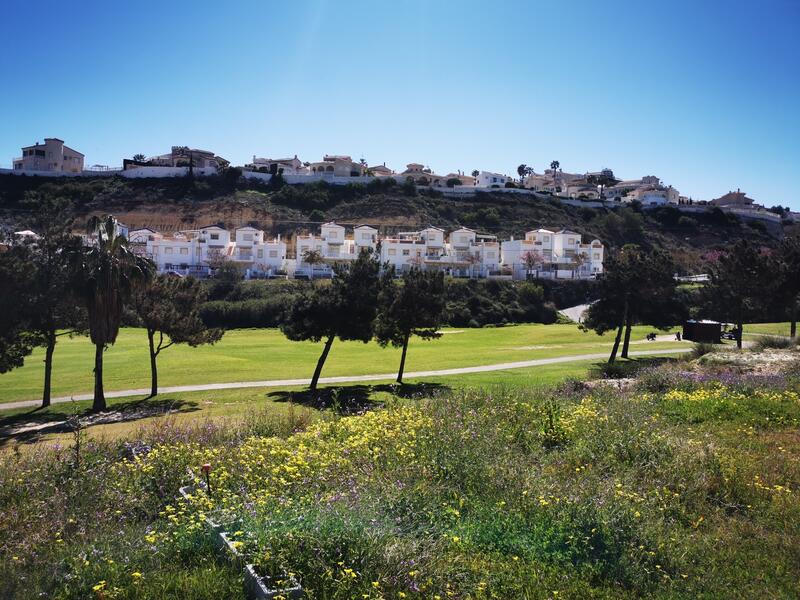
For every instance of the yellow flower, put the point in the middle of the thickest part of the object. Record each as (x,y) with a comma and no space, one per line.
(136,575)
(101,585)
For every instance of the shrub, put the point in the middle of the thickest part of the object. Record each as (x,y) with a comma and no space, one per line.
(702,349)
(777,342)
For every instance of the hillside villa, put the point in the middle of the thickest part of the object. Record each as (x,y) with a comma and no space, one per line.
(52,155)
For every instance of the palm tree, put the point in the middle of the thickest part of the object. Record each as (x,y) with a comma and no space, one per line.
(313,257)
(523,171)
(107,272)
(578,260)
(554,166)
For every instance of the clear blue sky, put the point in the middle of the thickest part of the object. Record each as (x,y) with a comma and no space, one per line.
(705,95)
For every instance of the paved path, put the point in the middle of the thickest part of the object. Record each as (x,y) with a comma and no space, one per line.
(574,312)
(344,379)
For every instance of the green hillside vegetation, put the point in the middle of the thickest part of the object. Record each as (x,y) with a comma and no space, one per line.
(283,209)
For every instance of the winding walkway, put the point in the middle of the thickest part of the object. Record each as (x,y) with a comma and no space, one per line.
(271,383)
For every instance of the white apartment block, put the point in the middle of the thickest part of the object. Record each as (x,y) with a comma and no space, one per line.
(53,155)
(198,252)
(463,253)
(552,255)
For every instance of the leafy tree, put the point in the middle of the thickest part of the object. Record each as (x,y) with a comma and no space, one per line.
(531,260)
(603,180)
(453,181)
(414,306)
(139,157)
(52,306)
(16,341)
(635,287)
(742,283)
(170,306)
(475,173)
(107,273)
(789,273)
(345,309)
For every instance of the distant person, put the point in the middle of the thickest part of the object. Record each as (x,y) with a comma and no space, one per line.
(678,336)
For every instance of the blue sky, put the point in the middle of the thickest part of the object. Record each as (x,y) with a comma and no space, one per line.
(705,95)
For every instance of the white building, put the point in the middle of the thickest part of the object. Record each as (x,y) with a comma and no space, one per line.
(284,166)
(488,180)
(553,255)
(53,155)
(198,252)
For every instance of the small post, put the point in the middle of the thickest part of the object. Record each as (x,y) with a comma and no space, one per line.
(206,468)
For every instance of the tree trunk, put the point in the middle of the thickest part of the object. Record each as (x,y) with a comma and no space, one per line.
(320,362)
(613,356)
(403,359)
(627,341)
(739,335)
(48,368)
(624,320)
(153,364)
(99,402)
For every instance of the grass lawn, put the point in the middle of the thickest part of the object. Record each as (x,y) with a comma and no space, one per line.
(235,404)
(264,354)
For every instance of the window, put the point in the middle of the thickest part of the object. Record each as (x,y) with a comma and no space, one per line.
(333,234)
(272,253)
(214,236)
(392,252)
(167,250)
(490,255)
(463,238)
(365,236)
(546,238)
(184,251)
(260,254)
(405,252)
(571,241)
(247,237)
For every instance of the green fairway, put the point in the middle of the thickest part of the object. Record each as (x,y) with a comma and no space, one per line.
(265,354)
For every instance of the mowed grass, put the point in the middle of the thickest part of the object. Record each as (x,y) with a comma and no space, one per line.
(265,354)
(187,408)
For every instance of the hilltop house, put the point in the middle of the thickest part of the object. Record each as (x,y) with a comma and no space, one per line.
(285,166)
(552,255)
(53,155)
(488,180)
(336,165)
(421,175)
(181,156)
(737,199)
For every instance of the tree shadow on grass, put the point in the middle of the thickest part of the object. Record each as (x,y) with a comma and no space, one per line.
(624,368)
(32,425)
(355,399)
